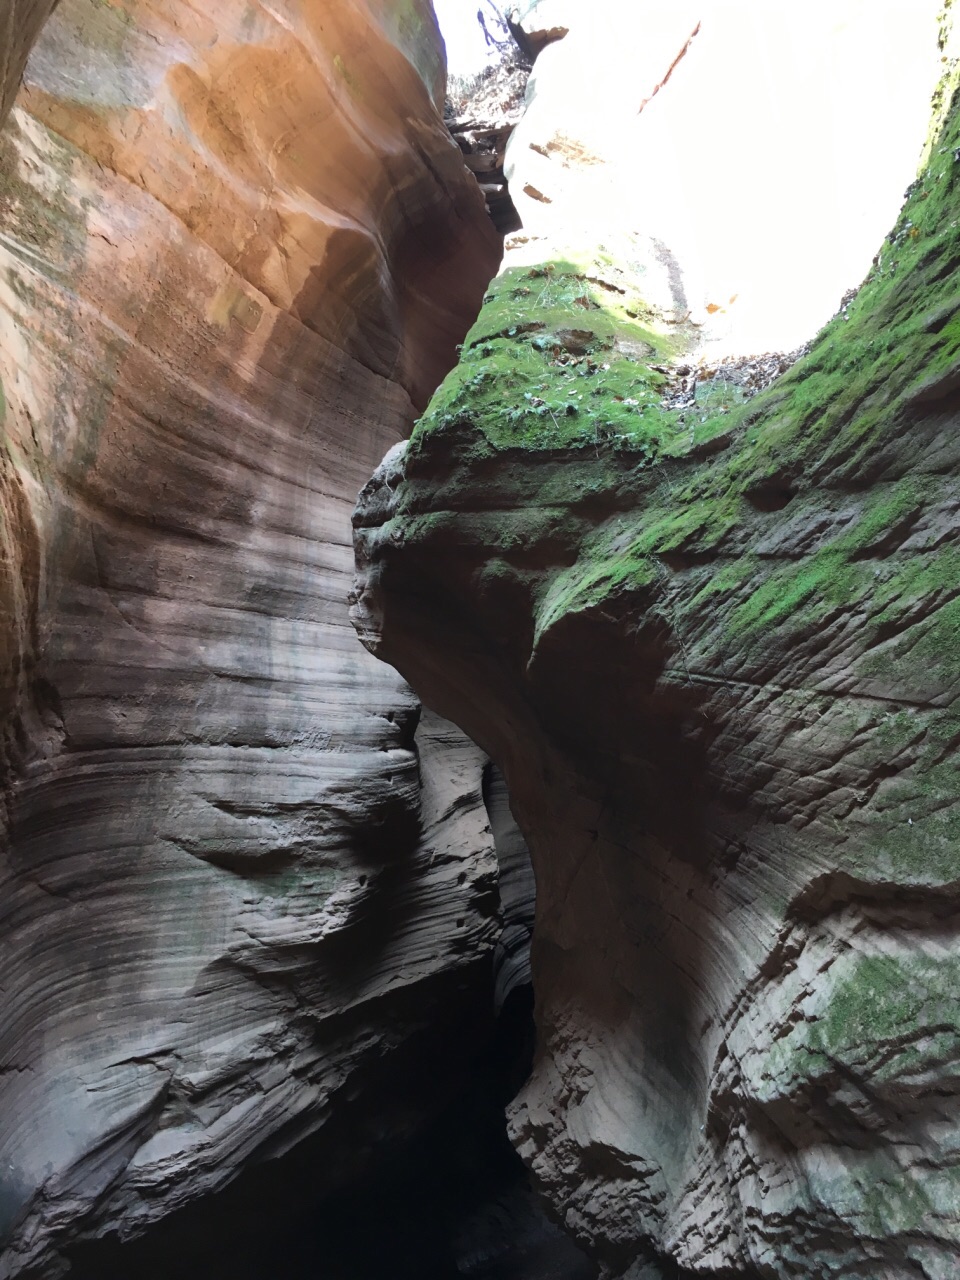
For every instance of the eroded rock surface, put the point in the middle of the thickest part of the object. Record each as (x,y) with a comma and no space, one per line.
(715,655)
(238,250)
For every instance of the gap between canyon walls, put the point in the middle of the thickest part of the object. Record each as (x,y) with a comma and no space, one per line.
(249,899)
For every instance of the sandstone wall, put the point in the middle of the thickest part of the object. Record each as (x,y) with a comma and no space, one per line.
(712,643)
(237,251)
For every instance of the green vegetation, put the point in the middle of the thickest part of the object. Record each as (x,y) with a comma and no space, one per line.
(883,998)
(884,1016)
(561,357)
(603,573)
(346,75)
(561,384)
(832,576)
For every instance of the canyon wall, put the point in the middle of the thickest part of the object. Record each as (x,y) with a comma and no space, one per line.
(238,894)
(711,641)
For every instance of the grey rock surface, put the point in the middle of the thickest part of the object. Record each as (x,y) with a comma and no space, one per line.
(714,651)
(235,888)
(518,889)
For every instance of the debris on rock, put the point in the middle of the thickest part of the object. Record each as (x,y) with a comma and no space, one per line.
(481,112)
(743,376)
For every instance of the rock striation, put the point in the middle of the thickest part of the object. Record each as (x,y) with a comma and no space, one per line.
(714,653)
(240,889)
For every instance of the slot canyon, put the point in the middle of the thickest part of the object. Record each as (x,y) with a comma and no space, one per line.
(480,584)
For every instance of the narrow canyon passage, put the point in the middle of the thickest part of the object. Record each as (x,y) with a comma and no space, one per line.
(696,596)
(455,1201)
(651,590)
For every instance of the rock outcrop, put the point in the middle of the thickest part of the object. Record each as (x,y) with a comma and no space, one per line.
(238,251)
(481,114)
(714,652)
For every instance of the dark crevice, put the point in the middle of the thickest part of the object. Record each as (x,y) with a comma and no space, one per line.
(451,1202)
(482,112)
(454,1202)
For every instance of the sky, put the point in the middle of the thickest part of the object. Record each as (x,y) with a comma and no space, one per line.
(466,48)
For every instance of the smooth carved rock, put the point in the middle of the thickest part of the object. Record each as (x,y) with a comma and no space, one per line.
(715,656)
(518,891)
(238,250)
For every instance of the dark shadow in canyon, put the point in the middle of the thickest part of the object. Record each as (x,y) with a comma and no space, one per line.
(454,1202)
(450,1201)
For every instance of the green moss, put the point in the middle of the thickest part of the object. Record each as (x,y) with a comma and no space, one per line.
(557,359)
(835,576)
(347,76)
(590,581)
(567,361)
(847,397)
(882,1017)
(826,578)
(696,527)
(728,580)
(922,850)
(881,999)
(943,94)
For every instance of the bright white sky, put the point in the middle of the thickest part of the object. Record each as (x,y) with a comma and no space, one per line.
(466,47)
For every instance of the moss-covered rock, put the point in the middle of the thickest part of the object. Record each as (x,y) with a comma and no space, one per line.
(563,353)
(719,661)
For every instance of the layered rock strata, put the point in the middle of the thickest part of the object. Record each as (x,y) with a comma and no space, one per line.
(238,250)
(517,888)
(714,653)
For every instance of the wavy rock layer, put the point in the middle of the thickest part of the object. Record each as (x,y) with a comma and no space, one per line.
(238,249)
(715,655)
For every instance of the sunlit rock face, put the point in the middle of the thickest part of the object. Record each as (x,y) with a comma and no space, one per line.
(764,148)
(237,251)
(714,652)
